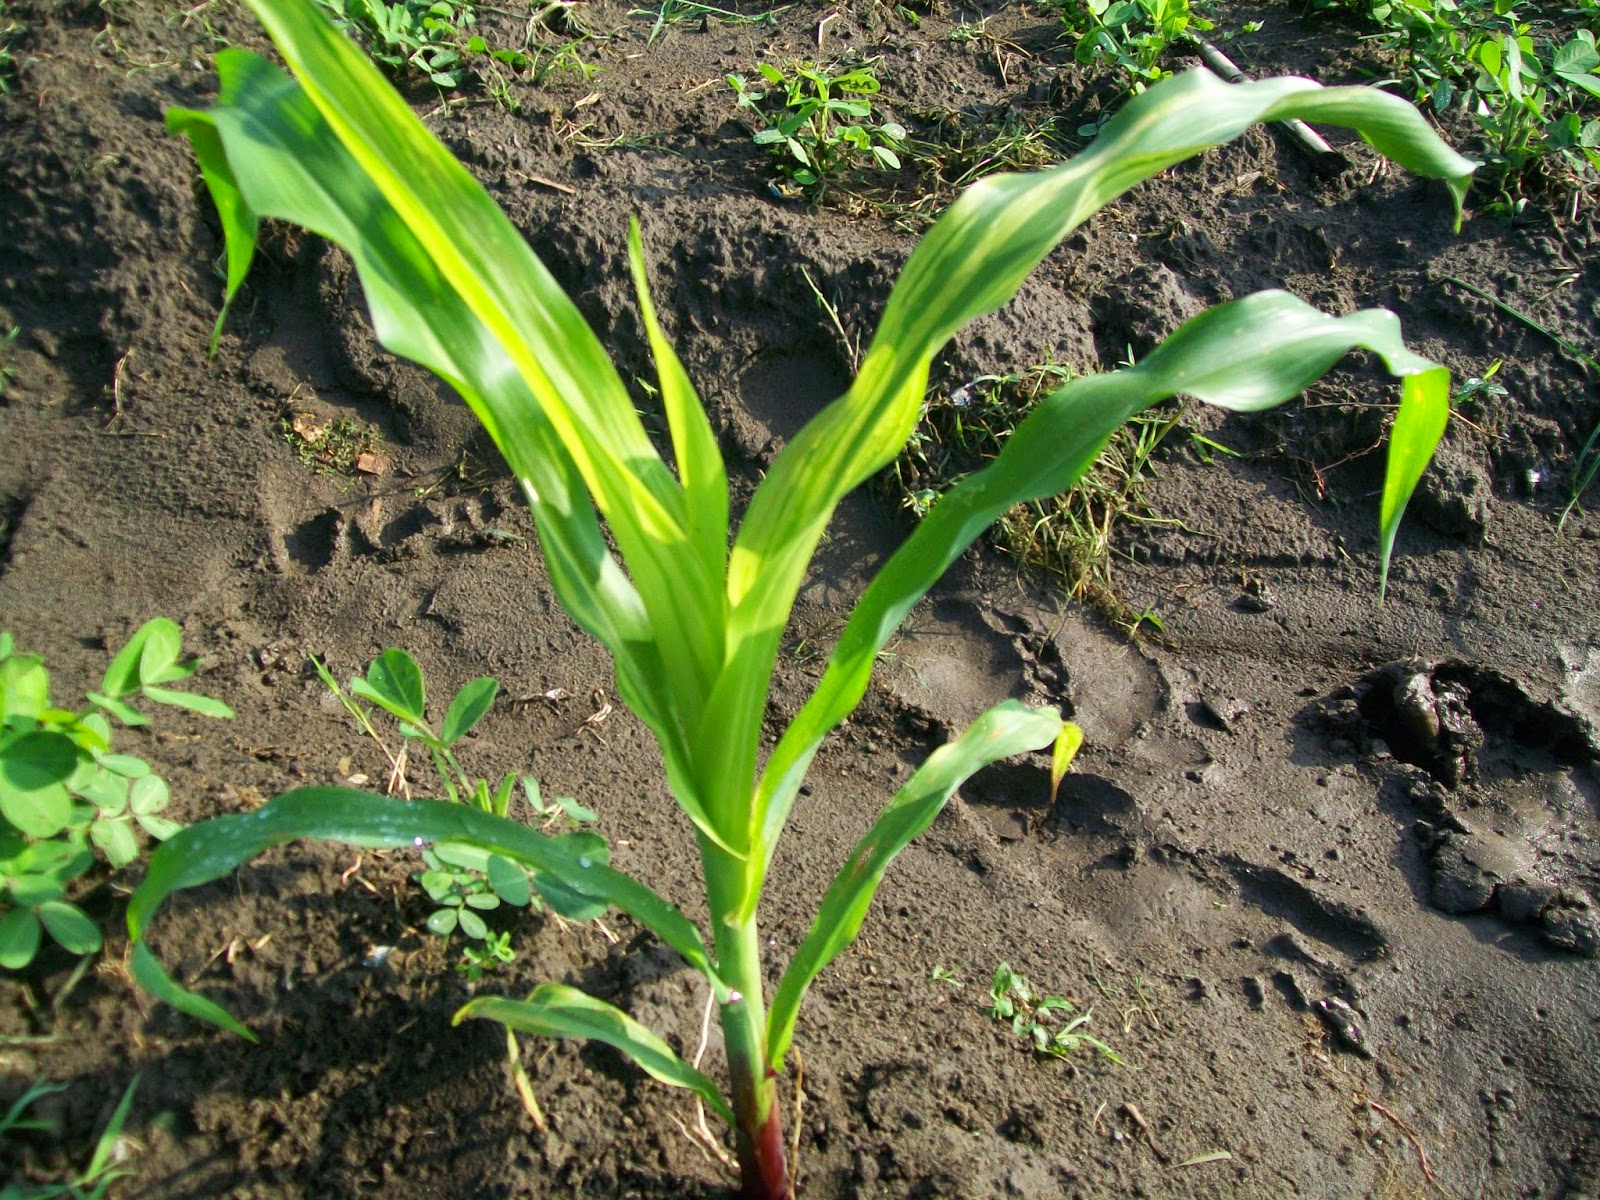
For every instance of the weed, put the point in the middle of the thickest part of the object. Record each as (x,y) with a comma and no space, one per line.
(410,35)
(818,125)
(1531,93)
(1012,999)
(338,447)
(7,349)
(463,881)
(1071,534)
(9,29)
(676,12)
(943,974)
(965,149)
(691,608)
(1132,36)
(65,794)
(104,1167)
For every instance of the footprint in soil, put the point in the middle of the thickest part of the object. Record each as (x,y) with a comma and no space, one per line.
(1506,784)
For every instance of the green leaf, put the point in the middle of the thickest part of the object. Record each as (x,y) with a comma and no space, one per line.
(34,890)
(63,861)
(161,645)
(555,1010)
(116,839)
(147,973)
(125,765)
(33,774)
(576,811)
(394,683)
(509,881)
(71,927)
(160,828)
(19,938)
(149,795)
(467,709)
(565,899)
(1290,345)
(210,849)
(122,675)
(239,223)
(24,687)
(101,788)
(1006,729)
(482,901)
(694,444)
(206,706)
(472,924)
(119,710)
(444,921)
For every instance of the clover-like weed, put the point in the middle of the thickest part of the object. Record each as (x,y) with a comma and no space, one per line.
(464,881)
(425,36)
(1132,36)
(818,125)
(65,794)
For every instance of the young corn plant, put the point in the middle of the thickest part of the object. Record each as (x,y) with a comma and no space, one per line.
(691,610)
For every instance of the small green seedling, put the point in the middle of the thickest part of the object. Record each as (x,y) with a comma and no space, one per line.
(8,343)
(677,12)
(102,1170)
(818,125)
(8,30)
(466,882)
(943,974)
(1012,999)
(1533,95)
(1133,36)
(424,36)
(64,793)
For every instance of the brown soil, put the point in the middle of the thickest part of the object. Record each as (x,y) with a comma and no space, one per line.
(1260,822)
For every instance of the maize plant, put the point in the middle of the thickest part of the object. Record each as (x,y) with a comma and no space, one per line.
(690,607)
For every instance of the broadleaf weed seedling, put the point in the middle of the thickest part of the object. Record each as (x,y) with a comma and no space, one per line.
(65,794)
(1532,93)
(1133,36)
(425,36)
(818,125)
(690,605)
(1051,1025)
(464,881)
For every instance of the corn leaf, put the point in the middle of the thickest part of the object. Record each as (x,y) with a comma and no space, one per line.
(971,262)
(555,1010)
(1246,355)
(492,273)
(208,851)
(1006,729)
(278,157)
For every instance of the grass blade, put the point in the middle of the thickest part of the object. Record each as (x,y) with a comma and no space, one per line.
(202,853)
(555,1010)
(1246,355)
(282,159)
(1006,729)
(971,262)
